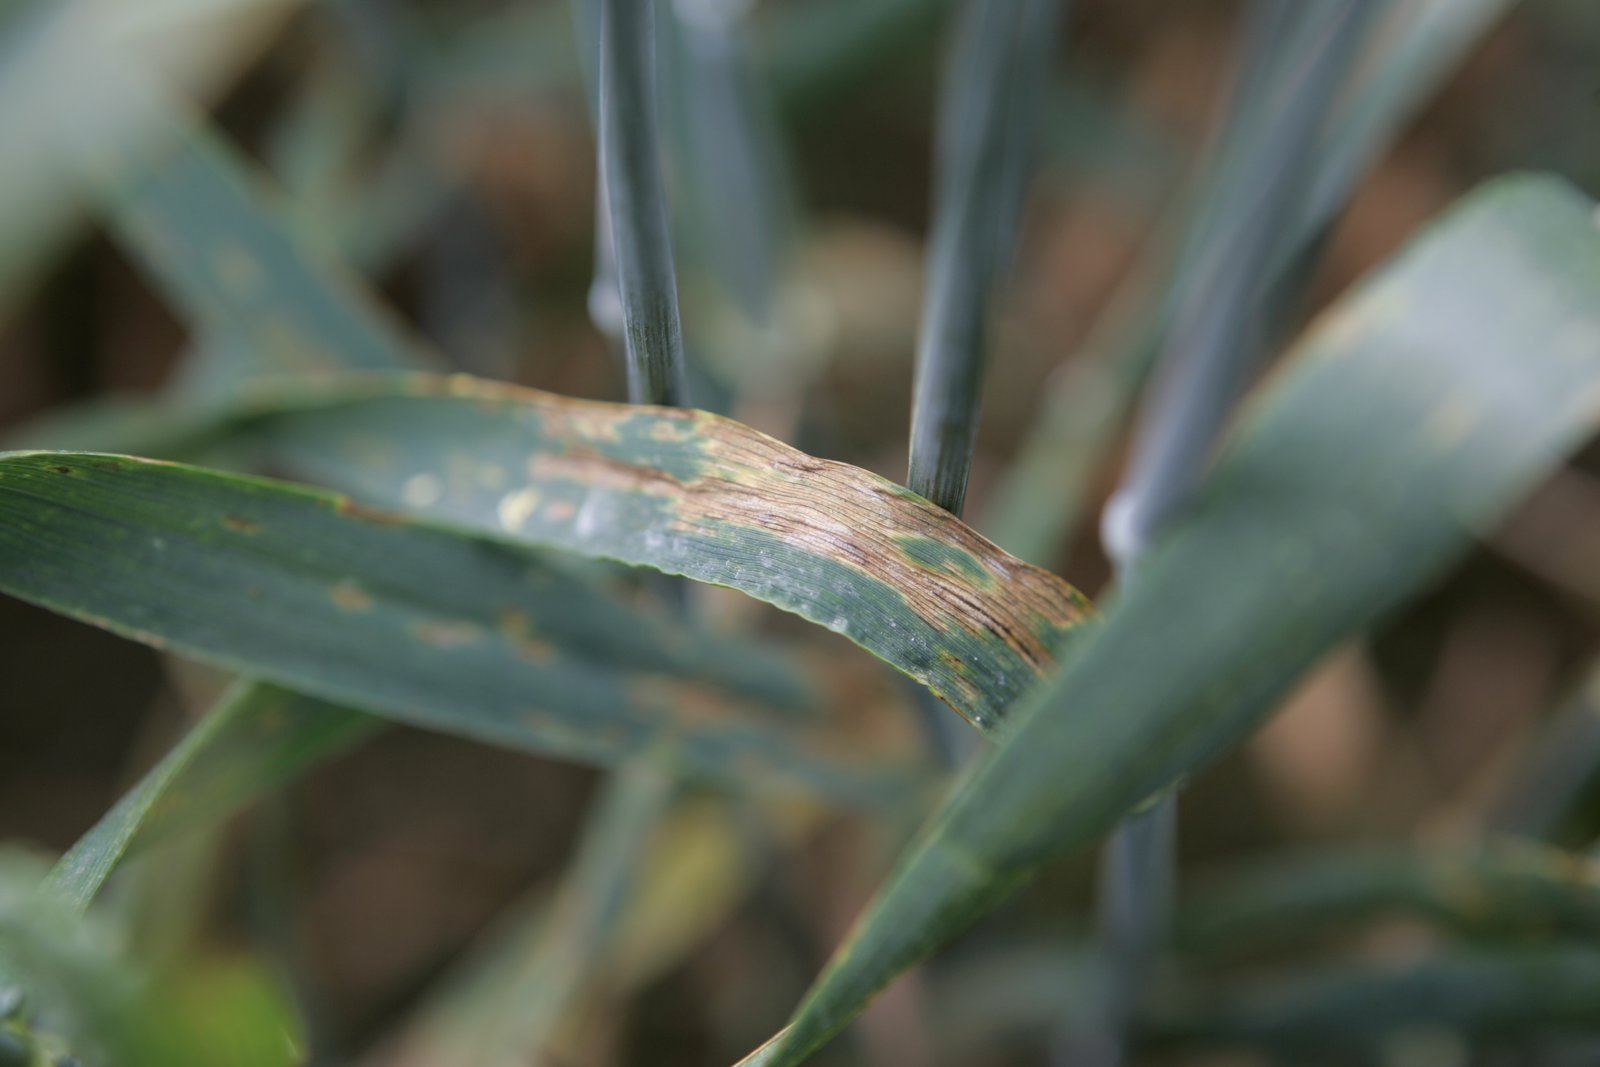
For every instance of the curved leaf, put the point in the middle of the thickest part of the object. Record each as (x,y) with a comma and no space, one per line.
(256,737)
(1417,411)
(422,624)
(693,493)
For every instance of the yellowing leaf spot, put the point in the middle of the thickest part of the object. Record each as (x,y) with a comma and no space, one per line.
(422,490)
(448,634)
(516,506)
(349,595)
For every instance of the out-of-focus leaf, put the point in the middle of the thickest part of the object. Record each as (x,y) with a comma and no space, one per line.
(988,111)
(1042,494)
(419,623)
(1416,412)
(692,493)
(816,47)
(255,738)
(72,74)
(101,1007)
(507,1009)
(1349,1012)
(204,226)
(1506,890)
(1015,993)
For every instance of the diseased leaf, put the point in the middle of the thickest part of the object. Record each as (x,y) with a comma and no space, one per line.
(1416,412)
(419,623)
(256,737)
(1510,889)
(692,493)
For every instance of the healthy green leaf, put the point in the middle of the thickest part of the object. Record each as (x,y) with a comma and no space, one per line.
(256,738)
(696,494)
(1416,412)
(422,624)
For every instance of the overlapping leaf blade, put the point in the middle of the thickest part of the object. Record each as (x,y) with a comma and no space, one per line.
(423,624)
(1417,411)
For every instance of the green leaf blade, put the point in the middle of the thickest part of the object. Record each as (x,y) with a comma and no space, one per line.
(256,737)
(1416,414)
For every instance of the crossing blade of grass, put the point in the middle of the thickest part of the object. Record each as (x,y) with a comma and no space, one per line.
(203,224)
(256,738)
(418,623)
(988,111)
(630,170)
(1352,1014)
(1504,890)
(1042,495)
(692,493)
(1416,411)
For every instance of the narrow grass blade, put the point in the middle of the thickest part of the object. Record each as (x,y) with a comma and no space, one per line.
(696,494)
(1508,890)
(419,623)
(1350,1014)
(255,738)
(1221,316)
(1417,411)
(630,168)
(1219,302)
(1042,495)
(988,110)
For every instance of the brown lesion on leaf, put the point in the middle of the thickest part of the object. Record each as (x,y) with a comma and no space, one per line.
(820,507)
(378,517)
(106,465)
(241,524)
(349,595)
(59,469)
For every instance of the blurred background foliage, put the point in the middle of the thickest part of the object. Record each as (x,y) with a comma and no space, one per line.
(442,150)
